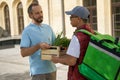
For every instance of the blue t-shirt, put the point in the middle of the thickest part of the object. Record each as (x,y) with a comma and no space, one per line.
(33,35)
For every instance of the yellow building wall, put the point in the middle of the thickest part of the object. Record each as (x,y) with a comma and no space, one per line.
(54,14)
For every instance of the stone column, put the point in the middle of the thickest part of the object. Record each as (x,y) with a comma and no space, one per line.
(104,16)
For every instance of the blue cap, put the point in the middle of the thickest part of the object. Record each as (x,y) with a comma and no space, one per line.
(79,11)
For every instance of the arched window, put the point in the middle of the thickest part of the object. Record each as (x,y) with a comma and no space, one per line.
(116,17)
(91,5)
(20,17)
(7,19)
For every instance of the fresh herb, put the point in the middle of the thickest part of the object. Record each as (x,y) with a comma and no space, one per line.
(61,41)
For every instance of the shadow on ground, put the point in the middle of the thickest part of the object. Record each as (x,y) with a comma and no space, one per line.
(16,76)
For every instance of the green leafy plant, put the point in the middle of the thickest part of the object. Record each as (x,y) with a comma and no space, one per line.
(61,41)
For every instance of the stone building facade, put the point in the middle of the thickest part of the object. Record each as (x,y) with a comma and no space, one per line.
(105,15)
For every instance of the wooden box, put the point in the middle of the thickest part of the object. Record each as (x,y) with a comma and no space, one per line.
(48,53)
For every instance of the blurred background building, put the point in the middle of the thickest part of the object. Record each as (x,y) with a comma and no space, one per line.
(104,17)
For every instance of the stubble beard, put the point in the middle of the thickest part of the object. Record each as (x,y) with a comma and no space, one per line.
(38,20)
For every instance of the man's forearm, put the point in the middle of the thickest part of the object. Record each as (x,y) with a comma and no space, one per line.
(29,51)
(66,60)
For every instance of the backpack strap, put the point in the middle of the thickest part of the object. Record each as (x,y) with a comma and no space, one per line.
(85,31)
(98,37)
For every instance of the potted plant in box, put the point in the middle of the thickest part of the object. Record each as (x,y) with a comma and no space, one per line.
(62,42)
(58,48)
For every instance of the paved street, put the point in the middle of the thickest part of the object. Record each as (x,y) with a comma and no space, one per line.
(15,67)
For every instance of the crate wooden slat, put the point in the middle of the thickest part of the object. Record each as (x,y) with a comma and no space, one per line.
(48,53)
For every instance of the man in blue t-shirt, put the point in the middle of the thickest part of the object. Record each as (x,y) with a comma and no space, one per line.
(37,36)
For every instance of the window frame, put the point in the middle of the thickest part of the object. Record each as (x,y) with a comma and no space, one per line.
(115,29)
(92,8)
(7,19)
(20,18)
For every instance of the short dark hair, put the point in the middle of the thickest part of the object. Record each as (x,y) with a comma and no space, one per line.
(30,7)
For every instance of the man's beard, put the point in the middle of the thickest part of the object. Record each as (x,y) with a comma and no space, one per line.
(38,20)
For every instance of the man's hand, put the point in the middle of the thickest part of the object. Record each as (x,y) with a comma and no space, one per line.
(44,45)
(55,59)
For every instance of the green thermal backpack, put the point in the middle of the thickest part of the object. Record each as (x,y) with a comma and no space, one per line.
(102,58)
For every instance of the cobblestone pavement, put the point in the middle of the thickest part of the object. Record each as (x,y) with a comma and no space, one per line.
(14,67)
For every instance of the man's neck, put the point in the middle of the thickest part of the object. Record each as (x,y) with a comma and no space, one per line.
(80,25)
(38,24)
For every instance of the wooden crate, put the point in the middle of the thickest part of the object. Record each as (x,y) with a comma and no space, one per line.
(48,53)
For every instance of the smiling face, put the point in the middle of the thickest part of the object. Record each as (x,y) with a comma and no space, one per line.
(37,14)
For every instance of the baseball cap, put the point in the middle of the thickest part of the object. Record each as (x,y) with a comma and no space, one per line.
(79,11)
